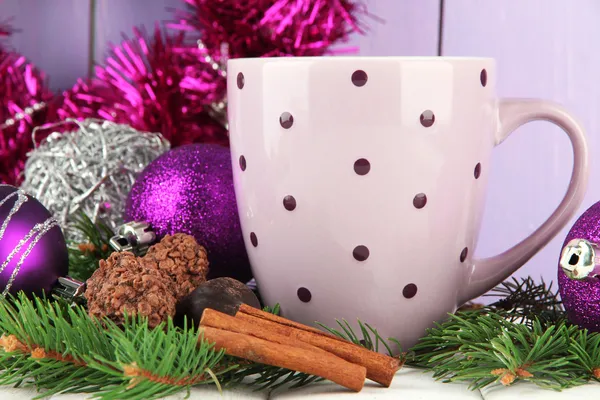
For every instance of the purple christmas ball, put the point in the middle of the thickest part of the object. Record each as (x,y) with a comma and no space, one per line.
(32,244)
(190,190)
(581,298)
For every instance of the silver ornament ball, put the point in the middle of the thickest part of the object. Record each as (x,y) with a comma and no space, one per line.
(90,170)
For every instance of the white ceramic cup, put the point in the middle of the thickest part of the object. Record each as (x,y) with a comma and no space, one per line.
(360,184)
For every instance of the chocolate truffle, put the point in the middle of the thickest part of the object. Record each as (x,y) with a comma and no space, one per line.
(182,259)
(125,283)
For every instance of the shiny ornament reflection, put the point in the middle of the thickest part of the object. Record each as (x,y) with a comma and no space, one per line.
(578,260)
(581,297)
(33,252)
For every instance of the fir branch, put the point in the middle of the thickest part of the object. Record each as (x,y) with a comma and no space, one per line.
(371,339)
(525,301)
(85,257)
(490,349)
(153,363)
(585,347)
(60,350)
(43,348)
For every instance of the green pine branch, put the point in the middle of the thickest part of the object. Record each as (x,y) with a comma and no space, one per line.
(524,335)
(85,257)
(59,349)
(525,301)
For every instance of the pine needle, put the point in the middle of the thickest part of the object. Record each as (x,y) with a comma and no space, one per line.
(57,348)
(60,349)
(523,336)
(85,257)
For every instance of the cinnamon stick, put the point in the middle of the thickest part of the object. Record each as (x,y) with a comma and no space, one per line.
(219,320)
(311,362)
(380,368)
(255,312)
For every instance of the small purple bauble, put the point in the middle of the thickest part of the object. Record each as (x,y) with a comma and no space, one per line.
(190,190)
(48,258)
(581,298)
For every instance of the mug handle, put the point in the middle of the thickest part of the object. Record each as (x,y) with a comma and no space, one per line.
(486,273)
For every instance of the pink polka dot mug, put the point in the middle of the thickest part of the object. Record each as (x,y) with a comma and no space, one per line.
(360,184)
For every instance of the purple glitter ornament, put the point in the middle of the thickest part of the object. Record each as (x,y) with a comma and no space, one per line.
(581,298)
(190,190)
(33,252)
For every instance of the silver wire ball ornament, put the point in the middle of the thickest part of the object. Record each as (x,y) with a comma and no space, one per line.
(89,170)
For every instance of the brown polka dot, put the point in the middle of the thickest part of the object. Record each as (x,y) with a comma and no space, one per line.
(483,77)
(253,239)
(304,295)
(360,253)
(362,166)
(359,78)
(427,118)
(289,202)
(286,120)
(463,254)
(409,291)
(477,171)
(420,200)
(242,163)
(240,80)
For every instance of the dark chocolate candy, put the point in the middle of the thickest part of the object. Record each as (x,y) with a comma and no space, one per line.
(220,294)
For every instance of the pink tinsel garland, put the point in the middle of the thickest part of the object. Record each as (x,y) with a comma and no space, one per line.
(270,28)
(141,85)
(25,102)
(161,82)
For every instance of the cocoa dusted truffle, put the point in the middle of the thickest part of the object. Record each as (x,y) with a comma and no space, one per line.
(182,259)
(124,282)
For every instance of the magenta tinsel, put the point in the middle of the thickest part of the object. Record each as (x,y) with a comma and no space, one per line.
(581,299)
(190,190)
(271,28)
(22,87)
(142,84)
(162,82)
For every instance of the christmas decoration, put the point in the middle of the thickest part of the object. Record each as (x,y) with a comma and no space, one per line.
(90,169)
(33,253)
(145,83)
(182,260)
(25,102)
(164,82)
(256,28)
(579,260)
(133,236)
(581,297)
(523,336)
(126,284)
(221,294)
(190,190)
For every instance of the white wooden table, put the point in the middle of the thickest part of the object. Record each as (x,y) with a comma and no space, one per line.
(409,384)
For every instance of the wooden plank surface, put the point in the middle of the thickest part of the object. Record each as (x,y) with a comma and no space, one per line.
(410,28)
(117,17)
(52,34)
(409,384)
(544,49)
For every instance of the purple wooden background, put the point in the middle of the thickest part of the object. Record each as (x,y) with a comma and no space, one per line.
(544,48)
